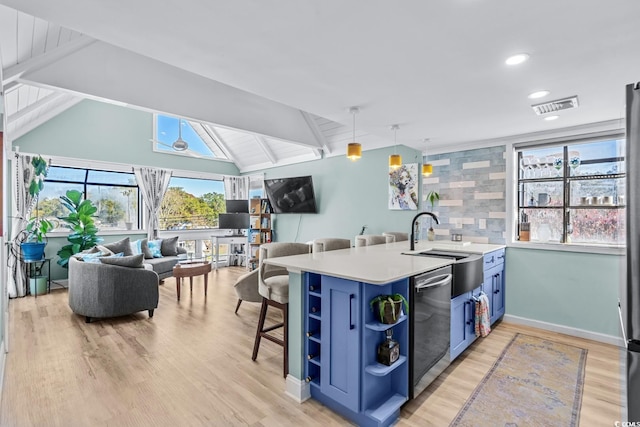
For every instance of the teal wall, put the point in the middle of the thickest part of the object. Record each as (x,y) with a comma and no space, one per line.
(578,290)
(98,131)
(349,195)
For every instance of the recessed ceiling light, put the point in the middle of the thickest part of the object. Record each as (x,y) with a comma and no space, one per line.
(539,94)
(549,118)
(517,59)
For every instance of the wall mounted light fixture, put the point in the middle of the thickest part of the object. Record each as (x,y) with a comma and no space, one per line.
(354,149)
(427,168)
(395,160)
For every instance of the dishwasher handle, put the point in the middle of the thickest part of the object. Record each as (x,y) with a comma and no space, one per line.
(434,282)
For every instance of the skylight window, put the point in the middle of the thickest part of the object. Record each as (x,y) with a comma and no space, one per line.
(172,139)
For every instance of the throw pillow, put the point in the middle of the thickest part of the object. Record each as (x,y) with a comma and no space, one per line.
(136,247)
(104,250)
(124,261)
(145,249)
(120,246)
(91,257)
(79,255)
(155,248)
(169,246)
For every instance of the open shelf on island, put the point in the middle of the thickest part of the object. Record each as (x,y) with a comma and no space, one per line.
(387,408)
(380,370)
(377,326)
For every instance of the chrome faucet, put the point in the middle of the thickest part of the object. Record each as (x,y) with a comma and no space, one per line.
(413,226)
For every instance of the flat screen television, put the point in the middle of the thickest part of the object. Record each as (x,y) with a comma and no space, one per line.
(233,221)
(291,195)
(237,206)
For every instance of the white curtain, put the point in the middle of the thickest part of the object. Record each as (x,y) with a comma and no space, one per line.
(236,187)
(22,171)
(153,183)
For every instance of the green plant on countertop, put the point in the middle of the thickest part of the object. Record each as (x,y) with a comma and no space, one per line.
(432,197)
(80,220)
(392,300)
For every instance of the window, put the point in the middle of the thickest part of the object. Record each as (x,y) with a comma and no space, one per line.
(572,193)
(192,203)
(115,194)
(171,134)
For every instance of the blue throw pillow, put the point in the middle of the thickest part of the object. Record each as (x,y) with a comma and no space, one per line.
(155,247)
(136,247)
(93,257)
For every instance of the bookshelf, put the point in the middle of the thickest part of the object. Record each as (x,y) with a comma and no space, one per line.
(259,228)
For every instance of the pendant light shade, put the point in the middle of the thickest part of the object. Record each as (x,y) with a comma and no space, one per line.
(354,149)
(427,168)
(395,160)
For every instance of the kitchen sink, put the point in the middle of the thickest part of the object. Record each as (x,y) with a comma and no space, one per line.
(468,271)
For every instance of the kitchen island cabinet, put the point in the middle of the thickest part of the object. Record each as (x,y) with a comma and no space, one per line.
(333,335)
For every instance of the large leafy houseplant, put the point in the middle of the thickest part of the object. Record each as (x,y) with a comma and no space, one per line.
(80,220)
(35,232)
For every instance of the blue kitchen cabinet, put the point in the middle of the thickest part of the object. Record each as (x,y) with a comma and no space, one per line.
(340,369)
(494,283)
(341,339)
(462,322)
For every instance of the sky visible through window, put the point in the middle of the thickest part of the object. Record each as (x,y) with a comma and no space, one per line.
(167,133)
(197,187)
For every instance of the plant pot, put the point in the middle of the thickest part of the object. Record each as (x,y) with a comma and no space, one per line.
(32,251)
(431,235)
(391,312)
(38,285)
(128,225)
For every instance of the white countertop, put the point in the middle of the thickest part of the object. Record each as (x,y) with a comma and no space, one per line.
(377,264)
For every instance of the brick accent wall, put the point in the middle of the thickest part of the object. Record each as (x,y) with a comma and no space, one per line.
(472,190)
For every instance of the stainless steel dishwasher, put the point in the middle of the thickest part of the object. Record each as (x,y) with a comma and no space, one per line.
(429,327)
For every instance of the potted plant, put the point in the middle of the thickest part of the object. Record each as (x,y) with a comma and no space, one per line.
(80,220)
(389,306)
(127,193)
(35,232)
(432,197)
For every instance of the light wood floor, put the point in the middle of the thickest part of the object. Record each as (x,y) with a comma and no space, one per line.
(191,365)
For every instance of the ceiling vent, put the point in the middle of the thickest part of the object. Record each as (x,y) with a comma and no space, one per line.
(557,105)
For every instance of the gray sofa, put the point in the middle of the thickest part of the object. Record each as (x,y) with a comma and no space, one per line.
(164,266)
(102,290)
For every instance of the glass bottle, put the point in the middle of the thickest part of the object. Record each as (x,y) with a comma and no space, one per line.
(389,350)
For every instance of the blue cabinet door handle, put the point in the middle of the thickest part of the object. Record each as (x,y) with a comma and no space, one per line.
(351,298)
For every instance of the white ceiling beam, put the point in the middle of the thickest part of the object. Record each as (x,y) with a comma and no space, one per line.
(17,133)
(215,135)
(156,86)
(262,143)
(317,133)
(10,87)
(15,72)
(33,107)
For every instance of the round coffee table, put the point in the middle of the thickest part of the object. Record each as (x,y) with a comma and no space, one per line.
(191,269)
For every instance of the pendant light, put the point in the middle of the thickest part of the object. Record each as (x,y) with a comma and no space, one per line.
(180,144)
(395,160)
(354,149)
(427,168)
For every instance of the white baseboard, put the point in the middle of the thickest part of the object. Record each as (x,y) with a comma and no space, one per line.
(567,330)
(3,360)
(298,390)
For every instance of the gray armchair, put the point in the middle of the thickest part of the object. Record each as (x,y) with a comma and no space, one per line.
(373,239)
(101,290)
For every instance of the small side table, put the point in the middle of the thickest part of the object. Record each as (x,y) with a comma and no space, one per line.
(33,269)
(184,270)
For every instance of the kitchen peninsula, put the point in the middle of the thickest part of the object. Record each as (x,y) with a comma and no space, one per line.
(333,335)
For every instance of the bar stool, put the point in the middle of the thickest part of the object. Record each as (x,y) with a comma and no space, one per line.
(372,239)
(330,244)
(273,285)
(400,237)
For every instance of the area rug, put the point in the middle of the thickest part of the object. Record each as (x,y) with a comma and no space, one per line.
(534,382)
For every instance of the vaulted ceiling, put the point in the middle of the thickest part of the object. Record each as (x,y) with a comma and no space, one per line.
(280,76)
